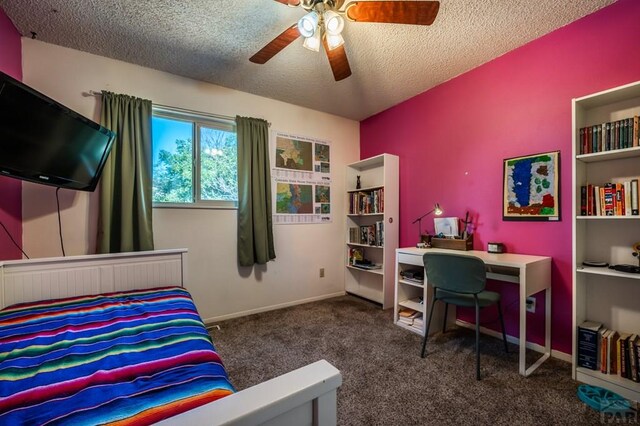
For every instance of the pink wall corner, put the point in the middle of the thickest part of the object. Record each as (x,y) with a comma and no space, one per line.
(10,189)
(452,139)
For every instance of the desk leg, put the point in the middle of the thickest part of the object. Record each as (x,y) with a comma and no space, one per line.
(522,358)
(547,338)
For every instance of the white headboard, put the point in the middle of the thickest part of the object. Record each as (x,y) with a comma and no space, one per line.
(52,278)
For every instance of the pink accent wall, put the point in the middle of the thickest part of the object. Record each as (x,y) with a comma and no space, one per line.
(10,189)
(452,139)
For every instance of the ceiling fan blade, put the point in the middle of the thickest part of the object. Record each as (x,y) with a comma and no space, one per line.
(289,2)
(338,61)
(276,45)
(393,12)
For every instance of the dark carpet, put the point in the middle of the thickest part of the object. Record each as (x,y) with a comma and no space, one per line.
(385,382)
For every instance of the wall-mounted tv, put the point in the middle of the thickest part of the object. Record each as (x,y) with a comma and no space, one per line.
(45,142)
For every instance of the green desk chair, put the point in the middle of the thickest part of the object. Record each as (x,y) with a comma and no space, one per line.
(460,280)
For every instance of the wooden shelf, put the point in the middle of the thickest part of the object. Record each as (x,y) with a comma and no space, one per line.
(371,188)
(609,155)
(606,271)
(411,304)
(413,283)
(410,328)
(364,245)
(371,271)
(625,387)
(365,214)
(607,217)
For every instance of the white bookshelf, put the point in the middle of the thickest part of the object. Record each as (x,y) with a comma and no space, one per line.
(601,294)
(379,172)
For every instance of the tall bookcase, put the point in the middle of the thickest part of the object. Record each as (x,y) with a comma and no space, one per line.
(601,294)
(375,202)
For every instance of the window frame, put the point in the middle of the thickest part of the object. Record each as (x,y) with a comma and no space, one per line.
(199,120)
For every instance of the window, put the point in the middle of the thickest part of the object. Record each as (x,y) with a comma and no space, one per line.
(194,160)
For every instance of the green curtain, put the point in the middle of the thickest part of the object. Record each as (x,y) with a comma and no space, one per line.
(255,227)
(125,222)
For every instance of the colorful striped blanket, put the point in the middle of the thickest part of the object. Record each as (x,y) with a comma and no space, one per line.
(126,358)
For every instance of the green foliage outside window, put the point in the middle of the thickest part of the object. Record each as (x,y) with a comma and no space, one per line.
(173,171)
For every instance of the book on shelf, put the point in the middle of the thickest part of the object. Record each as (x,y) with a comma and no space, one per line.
(410,316)
(588,344)
(613,135)
(626,191)
(597,202)
(637,351)
(623,348)
(354,235)
(610,199)
(409,313)
(612,344)
(367,202)
(603,334)
(372,235)
(634,340)
(634,197)
(609,351)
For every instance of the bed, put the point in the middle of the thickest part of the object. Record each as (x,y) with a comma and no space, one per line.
(117,339)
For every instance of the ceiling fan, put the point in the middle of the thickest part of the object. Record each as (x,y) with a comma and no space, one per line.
(323,24)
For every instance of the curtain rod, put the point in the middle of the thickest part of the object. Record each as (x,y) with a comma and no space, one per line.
(218,116)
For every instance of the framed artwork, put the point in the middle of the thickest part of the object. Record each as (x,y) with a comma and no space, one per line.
(531,187)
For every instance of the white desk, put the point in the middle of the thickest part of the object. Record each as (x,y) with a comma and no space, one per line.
(531,273)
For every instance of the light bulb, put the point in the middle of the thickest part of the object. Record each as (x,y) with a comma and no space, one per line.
(308,24)
(333,23)
(313,42)
(334,41)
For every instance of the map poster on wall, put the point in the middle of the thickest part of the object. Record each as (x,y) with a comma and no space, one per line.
(299,157)
(302,179)
(301,202)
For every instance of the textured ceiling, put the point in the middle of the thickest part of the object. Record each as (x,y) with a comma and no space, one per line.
(212,40)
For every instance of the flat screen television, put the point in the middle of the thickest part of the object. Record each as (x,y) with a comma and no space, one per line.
(45,142)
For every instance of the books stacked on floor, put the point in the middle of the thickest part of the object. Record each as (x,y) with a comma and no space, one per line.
(411,318)
(609,136)
(609,351)
(366,202)
(610,199)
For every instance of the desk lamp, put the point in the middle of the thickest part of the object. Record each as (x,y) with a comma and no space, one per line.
(436,210)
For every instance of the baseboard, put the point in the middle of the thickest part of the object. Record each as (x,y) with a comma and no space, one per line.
(511,339)
(211,321)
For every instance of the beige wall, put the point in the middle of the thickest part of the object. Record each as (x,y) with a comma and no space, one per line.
(220,288)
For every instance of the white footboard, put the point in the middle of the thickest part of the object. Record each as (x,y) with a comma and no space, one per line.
(306,396)
(57,277)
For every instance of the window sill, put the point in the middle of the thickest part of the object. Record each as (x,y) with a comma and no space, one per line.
(193,206)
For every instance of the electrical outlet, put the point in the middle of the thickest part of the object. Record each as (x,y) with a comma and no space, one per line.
(321,272)
(531,304)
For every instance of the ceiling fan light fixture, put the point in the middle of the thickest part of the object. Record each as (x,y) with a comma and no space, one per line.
(313,42)
(334,41)
(333,23)
(308,24)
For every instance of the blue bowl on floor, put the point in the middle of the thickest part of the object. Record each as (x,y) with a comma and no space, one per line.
(603,400)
